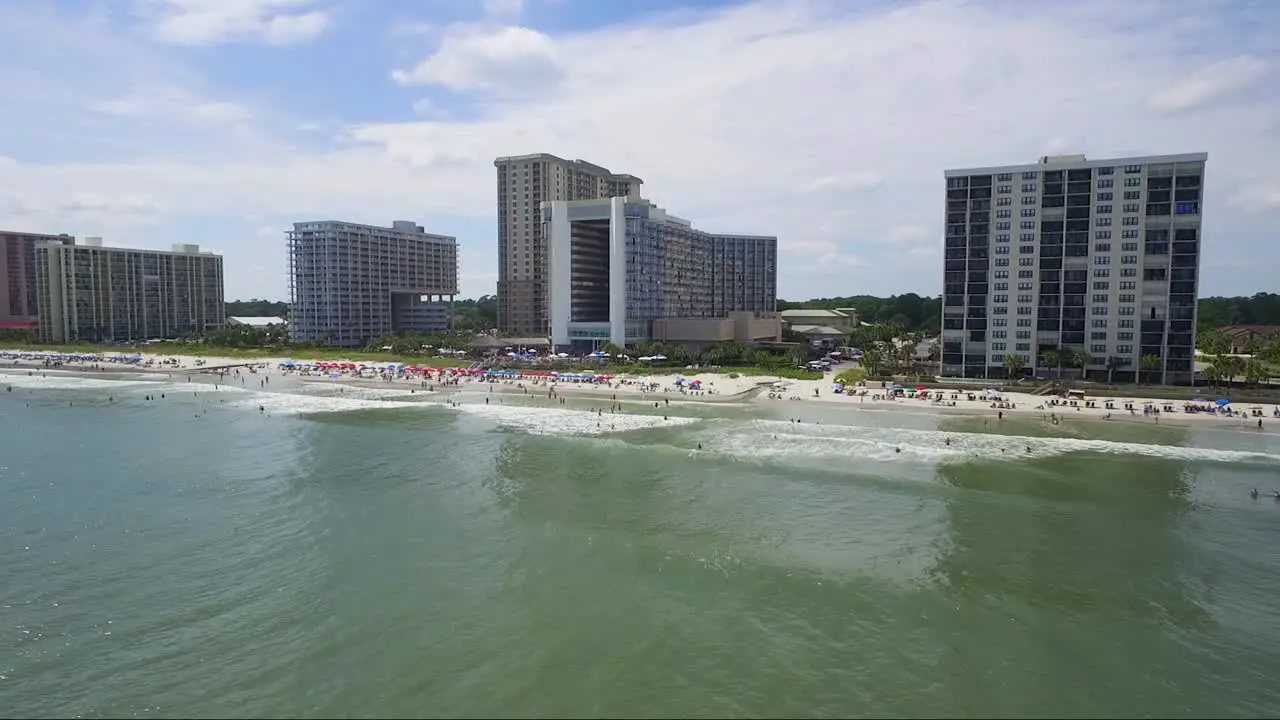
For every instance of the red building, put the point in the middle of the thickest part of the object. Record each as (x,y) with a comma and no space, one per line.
(18,277)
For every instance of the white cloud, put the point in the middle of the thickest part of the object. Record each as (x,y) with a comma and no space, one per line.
(210,22)
(173,103)
(473,58)
(1214,81)
(829,130)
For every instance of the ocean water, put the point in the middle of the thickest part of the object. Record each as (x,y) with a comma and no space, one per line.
(372,552)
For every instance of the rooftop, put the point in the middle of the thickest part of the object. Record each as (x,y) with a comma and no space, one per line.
(256,320)
(801,312)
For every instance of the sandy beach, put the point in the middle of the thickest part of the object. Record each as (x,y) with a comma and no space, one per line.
(271,373)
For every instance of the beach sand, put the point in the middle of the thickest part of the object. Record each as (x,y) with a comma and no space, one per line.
(715,388)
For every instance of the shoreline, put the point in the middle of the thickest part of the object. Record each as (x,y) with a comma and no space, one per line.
(714,389)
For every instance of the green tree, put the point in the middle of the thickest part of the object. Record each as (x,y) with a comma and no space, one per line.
(1150,367)
(1114,363)
(1082,360)
(1053,359)
(872,359)
(1014,364)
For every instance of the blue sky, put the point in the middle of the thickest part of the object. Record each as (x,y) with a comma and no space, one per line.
(151,122)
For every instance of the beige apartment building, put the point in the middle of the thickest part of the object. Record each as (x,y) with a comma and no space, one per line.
(524,183)
(95,293)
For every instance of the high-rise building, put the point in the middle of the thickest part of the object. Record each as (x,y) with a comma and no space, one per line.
(349,282)
(524,183)
(625,271)
(95,293)
(19,301)
(1097,258)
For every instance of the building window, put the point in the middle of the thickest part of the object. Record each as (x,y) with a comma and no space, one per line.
(1104,184)
(1126,324)
(1101,234)
(997,346)
(1128,285)
(1024,298)
(999,334)
(1133,195)
(1124,335)
(1131,169)
(999,274)
(1004,189)
(1098,323)
(1101,260)
(1102,247)
(1102,222)
(1099,299)
(1027,249)
(1098,310)
(1104,197)
(1026,285)
(1024,334)
(1188,209)
(1004,177)
(1027,225)
(1128,310)
(1000,310)
(1027,237)
(1128,298)
(1106,171)
(1000,299)
(1004,213)
(1128,247)
(1102,285)
(1128,259)
(1098,335)
(1002,225)
(1104,209)
(1028,199)
(1024,322)
(1128,234)
(1002,238)
(1101,272)
(1024,311)
(1002,249)
(1133,182)
(1124,349)
(1028,187)
(1130,220)
(1098,349)
(1001,202)
(1128,272)
(1000,286)
(1026,261)
(1024,274)
(1024,347)
(1131,207)
(1000,322)
(1029,175)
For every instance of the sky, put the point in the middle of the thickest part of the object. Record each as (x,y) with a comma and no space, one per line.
(828,124)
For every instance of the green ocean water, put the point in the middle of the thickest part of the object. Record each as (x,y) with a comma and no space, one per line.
(357,554)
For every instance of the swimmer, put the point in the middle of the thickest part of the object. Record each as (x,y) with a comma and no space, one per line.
(897,450)
(1254,493)
(699,446)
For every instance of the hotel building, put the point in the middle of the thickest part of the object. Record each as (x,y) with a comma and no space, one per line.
(1095,257)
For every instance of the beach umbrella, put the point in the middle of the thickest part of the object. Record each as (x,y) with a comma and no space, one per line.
(1222,401)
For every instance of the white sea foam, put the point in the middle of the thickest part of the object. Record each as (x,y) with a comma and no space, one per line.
(784,441)
(360,393)
(299,404)
(72,382)
(554,421)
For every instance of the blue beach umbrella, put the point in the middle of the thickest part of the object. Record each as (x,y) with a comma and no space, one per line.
(1222,401)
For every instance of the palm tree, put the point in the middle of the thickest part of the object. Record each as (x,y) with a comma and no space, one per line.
(1014,364)
(1255,371)
(1230,366)
(1082,360)
(1051,358)
(1114,363)
(871,359)
(1149,364)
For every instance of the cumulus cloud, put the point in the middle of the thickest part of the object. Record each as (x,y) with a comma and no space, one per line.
(827,128)
(210,22)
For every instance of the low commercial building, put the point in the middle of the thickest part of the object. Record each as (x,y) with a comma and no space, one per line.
(624,271)
(255,321)
(95,293)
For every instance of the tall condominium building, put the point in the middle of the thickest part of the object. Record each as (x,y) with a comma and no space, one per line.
(1096,257)
(19,301)
(624,271)
(349,283)
(94,293)
(524,183)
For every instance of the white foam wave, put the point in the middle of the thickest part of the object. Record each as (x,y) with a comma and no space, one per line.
(361,393)
(71,382)
(780,440)
(554,421)
(298,404)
